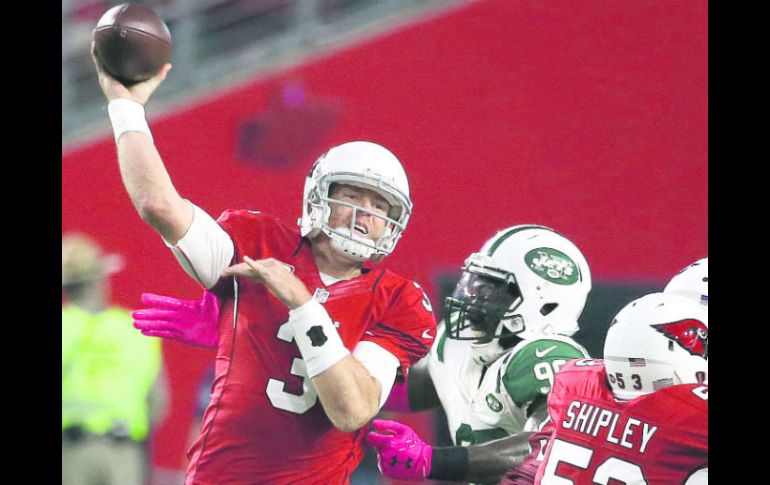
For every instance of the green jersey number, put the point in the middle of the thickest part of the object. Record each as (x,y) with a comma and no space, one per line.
(544,371)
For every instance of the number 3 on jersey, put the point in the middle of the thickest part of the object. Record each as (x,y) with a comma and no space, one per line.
(425,299)
(279,398)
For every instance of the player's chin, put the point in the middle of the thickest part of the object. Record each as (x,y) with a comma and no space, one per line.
(481,336)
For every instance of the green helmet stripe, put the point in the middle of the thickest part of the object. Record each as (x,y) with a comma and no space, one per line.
(513,231)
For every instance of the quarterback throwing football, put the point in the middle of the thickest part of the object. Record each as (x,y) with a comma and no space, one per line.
(309,340)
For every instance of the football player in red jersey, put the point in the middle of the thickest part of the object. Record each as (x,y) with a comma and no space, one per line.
(309,338)
(640,415)
(692,283)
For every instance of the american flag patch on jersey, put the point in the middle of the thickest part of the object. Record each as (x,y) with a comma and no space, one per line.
(637,362)
(704,300)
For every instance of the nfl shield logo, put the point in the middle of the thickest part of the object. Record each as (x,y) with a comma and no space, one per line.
(321,295)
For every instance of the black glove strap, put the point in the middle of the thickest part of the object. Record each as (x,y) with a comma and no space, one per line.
(449,463)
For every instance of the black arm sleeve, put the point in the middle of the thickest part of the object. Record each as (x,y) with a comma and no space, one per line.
(483,463)
(422,392)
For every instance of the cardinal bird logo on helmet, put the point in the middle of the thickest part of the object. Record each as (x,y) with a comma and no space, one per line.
(691,335)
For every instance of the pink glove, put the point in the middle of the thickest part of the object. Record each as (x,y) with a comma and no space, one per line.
(192,322)
(401,454)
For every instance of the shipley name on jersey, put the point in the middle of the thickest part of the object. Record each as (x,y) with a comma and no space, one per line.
(590,419)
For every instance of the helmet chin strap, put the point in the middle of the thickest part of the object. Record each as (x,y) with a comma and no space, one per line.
(348,247)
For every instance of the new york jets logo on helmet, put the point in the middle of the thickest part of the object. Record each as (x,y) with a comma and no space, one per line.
(552,265)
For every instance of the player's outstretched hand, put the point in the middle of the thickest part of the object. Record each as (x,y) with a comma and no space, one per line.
(278,277)
(401,454)
(139,92)
(192,322)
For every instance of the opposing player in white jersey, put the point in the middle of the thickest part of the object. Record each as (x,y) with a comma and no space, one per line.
(506,333)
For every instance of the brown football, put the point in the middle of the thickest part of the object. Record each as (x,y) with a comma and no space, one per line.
(132,43)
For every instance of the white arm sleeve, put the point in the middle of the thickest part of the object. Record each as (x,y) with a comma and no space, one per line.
(380,363)
(205,250)
(701,477)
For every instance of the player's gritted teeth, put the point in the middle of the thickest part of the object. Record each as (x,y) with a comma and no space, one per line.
(362,229)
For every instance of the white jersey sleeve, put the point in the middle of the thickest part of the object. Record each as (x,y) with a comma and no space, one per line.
(380,363)
(205,250)
(701,477)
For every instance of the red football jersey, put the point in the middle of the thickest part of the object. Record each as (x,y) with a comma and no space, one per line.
(264,423)
(659,438)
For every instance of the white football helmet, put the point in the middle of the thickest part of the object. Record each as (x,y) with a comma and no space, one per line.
(654,342)
(526,280)
(361,164)
(692,282)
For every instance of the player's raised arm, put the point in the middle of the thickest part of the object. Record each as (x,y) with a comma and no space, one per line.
(145,177)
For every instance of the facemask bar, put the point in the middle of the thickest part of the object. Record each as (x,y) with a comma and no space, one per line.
(368,180)
(396,198)
(493,311)
(375,244)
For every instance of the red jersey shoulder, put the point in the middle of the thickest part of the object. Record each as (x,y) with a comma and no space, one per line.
(256,233)
(233,217)
(243,219)
(407,306)
(684,399)
(583,365)
(393,283)
(694,394)
(582,376)
(682,411)
(407,324)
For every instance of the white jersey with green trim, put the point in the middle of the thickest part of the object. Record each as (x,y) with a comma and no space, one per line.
(486,402)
